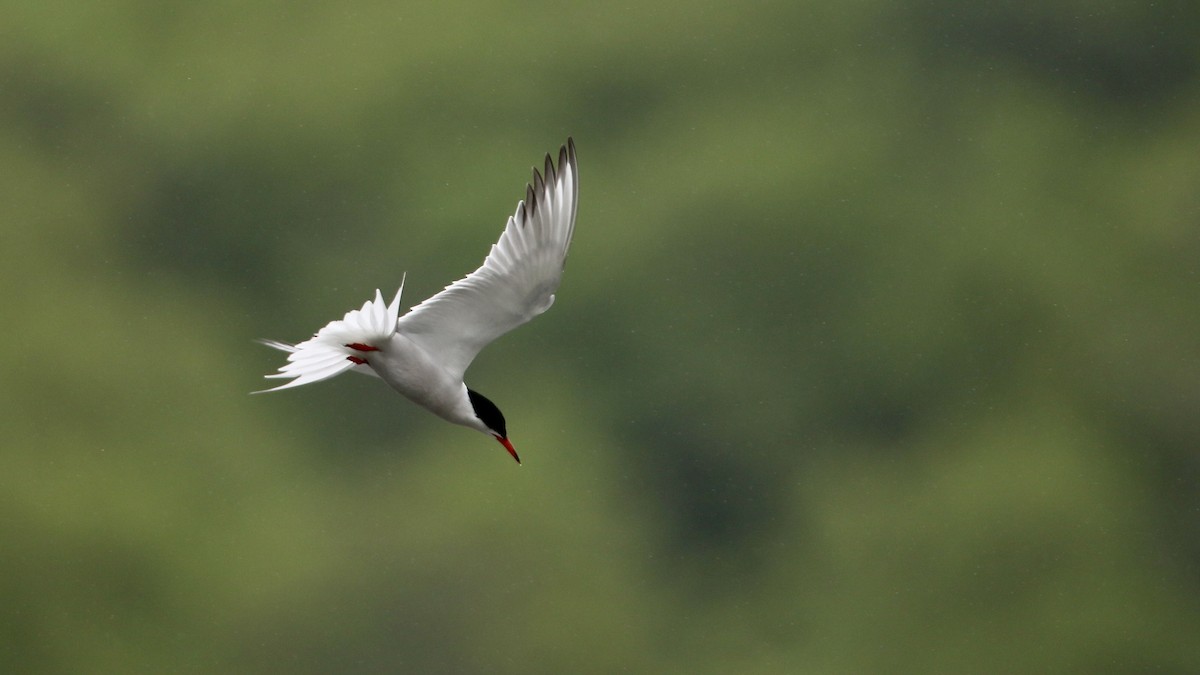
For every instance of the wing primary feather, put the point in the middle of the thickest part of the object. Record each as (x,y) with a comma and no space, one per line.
(539,187)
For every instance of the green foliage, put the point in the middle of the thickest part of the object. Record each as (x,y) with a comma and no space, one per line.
(876,350)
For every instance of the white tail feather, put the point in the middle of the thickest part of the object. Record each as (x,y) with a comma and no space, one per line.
(325,354)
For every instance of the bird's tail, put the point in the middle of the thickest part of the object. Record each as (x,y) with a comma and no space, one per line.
(340,345)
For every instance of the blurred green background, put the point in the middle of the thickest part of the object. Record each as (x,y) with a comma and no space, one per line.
(877,349)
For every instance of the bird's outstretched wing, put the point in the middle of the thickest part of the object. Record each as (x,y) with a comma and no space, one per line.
(517,279)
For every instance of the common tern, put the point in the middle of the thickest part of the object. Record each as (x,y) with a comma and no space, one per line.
(424,353)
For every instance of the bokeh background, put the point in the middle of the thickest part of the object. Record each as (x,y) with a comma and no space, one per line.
(878,348)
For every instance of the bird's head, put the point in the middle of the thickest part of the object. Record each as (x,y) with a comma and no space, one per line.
(492,419)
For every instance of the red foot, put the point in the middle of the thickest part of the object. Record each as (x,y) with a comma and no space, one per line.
(358,361)
(358,346)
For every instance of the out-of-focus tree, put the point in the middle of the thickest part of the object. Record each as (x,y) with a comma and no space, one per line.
(875,352)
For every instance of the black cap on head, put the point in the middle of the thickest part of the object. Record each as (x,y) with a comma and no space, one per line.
(488,413)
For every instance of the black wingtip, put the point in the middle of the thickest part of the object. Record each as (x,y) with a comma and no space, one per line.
(548,175)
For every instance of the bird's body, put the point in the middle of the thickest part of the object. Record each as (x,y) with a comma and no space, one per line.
(424,353)
(410,371)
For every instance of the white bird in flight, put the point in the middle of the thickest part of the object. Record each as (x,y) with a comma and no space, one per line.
(424,353)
